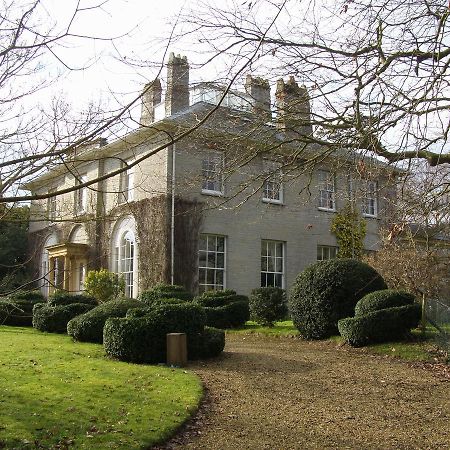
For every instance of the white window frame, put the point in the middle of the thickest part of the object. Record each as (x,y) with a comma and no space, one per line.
(126,185)
(212,164)
(122,259)
(273,184)
(327,190)
(369,202)
(81,195)
(265,263)
(326,252)
(215,268)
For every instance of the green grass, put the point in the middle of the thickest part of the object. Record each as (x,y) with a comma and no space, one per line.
(285,328)
(60,394)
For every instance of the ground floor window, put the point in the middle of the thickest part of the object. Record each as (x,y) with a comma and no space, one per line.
(124,255)
(211,262)
(272,263)
(325,252)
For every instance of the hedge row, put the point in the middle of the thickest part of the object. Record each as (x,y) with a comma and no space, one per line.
(143,339)
(88,327)
(54,319)
(62,298)
(163,291)
(17,308)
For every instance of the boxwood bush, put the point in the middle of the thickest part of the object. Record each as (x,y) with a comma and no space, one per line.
(143,339)
(380,326)
(64,298)
(267,305)
(387,298)
(224,309)
(88,327)
(54,319)
(161,291)
(328,291)
(212,343)
(17,309)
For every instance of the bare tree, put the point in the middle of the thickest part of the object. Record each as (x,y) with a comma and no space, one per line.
(377,72)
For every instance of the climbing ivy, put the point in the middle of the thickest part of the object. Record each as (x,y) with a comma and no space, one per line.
(350,230)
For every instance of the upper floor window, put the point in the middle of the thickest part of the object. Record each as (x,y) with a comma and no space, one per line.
(272,263)
(212,173)
(326,184)
(273,186)
(51,205)
(81,194)
(126,188)
(325,252)
(211,262)
(370,199)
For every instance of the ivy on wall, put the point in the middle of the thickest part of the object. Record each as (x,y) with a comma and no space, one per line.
(350,230)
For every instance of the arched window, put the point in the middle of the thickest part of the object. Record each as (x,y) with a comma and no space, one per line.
(124,255)
(45,266)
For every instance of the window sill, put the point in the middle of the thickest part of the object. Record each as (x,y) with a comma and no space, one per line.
(213,193)
(321,208)
(273,202)
(370,216)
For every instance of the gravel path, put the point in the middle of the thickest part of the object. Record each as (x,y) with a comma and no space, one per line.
(285,393)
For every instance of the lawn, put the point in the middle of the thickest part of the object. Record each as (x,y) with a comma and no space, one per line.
(415,349)
(58,394)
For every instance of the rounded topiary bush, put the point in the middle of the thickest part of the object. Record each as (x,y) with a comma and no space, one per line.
(380,326)
(387,298)
(32,297)
(267,305)
(143,339)
(212,342)
(54,319)
(88,327)
(163,291)
(64,298)
(328,291)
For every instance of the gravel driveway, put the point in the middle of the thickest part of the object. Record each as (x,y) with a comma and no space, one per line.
(285,393)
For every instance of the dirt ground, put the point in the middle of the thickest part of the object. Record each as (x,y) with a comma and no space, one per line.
(285,393)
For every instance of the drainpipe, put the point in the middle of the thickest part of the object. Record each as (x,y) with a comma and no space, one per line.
(172,222)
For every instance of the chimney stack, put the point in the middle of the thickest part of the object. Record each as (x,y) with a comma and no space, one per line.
(259,90)
(150,98)
(293,108)
(177,93)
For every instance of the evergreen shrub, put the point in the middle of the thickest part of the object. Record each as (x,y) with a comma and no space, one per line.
(267,305)
(61,298)
(163,291)
(143,339)
(387,298)
(328,291)
(17,308)
(54,319)
(88,327)
(380,326)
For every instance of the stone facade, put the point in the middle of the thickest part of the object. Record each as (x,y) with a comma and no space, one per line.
(222,186)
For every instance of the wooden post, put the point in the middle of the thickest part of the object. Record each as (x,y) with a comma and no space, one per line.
(176,349)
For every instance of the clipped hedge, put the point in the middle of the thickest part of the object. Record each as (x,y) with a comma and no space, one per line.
(143,339)
(18,311)
(161,291)
(88,327)
(224,309)
(54,319)
(387,298)
(212,343)
(328,291)
(380,326)
(33,297)
(267,305)
(64,298)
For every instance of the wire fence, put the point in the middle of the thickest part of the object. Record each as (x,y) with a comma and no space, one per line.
(438,314)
